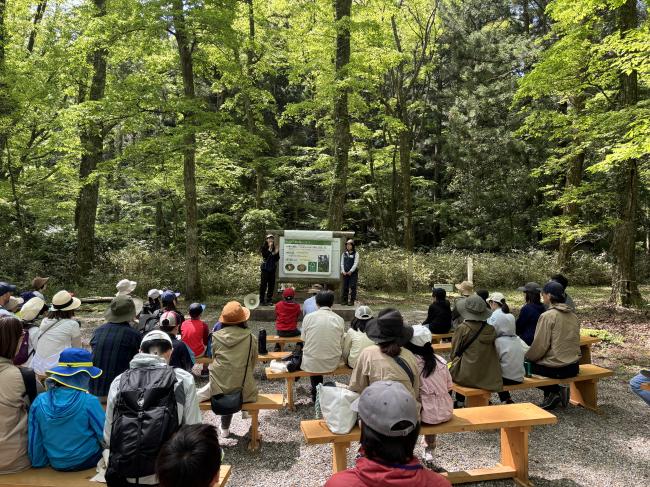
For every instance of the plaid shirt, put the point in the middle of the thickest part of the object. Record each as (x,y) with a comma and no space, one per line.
(114,345)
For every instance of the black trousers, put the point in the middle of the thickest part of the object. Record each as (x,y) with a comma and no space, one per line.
(565,372)
(289,333)
(505,395)
(438,328)
(315,380)
(267,283)
(350,287)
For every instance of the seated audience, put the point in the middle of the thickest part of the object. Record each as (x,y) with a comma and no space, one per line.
(57,332)
(66,423)
(169,301)
(511,351)
(309,305)
(530,312)
(195,331)
(484,293)
(191,458)
(389,433)
(39,285)
(322,334)
(355,339)
(565,284)
(465,289)
(435,384)
(135,431)
(438,318)
(387,359)
(14,399)
(126,288)
(287,312)
(474,359)
(499,307)
(642,377)
(14,304)
(114,344)
(29,313)
(555,351)
(182,355)
(6,291)
(153,303)
(234,349)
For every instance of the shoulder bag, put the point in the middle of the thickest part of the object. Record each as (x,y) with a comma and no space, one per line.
(454,365)
(231,403)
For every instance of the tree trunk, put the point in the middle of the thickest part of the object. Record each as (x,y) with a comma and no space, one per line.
(570,211)
(625,290)
(38,16)
(342,138)
(92,144)
(405,142)
(193,289)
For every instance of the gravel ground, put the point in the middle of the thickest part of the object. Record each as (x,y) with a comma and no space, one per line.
(583,449)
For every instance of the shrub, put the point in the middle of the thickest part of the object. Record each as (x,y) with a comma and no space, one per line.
(254,225)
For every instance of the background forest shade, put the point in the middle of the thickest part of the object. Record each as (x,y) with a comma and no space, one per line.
(159,137)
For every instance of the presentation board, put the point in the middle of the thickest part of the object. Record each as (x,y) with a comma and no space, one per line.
(309,255)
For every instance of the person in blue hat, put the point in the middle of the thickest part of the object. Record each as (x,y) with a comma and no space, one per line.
(66,423)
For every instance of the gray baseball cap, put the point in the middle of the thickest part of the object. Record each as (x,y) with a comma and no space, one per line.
(384,404)
(363,313)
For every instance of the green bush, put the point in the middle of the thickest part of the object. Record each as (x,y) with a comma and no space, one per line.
(254,225)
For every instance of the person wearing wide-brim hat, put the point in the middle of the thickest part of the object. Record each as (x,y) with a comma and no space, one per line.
(114,343)
(233,348)
(39,284)
(67,412)
(465,288)
(57,332)
(30,311)
(472,348)
(387,359)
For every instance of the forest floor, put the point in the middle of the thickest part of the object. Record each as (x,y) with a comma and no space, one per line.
(583,449)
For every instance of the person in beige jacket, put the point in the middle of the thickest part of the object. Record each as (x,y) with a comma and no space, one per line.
(14,404)
(233,346)
(555,351)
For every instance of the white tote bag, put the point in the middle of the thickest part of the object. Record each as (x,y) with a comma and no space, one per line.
(335,405)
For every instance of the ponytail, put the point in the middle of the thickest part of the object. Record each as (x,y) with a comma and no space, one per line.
(504,306)
(426,352)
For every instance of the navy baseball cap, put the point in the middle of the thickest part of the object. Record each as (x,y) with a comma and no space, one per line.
(169,296)
(553,288)
(196,308)
(5,287)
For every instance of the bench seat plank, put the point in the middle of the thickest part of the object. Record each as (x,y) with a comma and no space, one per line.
(260,358)
(48,477)
(290,377)
(264,401)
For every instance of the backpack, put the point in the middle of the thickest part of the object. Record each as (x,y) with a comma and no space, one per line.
(23,351)
(149,321)
(29,380)
(144,418)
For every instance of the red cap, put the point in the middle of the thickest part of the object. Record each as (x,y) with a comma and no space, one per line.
(288,292)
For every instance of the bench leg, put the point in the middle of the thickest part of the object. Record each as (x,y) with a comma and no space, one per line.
(255,431)
(290,403)
(477,401)
(514,452)
(339,456)
(585,351)
(585,394)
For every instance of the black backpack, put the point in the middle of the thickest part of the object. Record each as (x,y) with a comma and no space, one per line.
(145,417)
(149,321)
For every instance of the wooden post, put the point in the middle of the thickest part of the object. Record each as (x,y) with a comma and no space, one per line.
(470,269)
(514,452)
(290,404)
(585,393)
(339,456)
(585,354)
(255,436)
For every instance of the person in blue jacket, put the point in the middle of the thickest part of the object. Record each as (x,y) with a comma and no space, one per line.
(526,323)
(66,423)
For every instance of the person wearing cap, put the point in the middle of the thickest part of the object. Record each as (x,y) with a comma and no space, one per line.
(29,313)
(155,353)
(355,339)
(322,334)
(169,301)
(387,359)
(234,350)
(350,273)
(438,318)
(474,359)
(14,400)
(153,303)
(565,284)
(270,257)
(39,285)
(435,385)
(555,351)
(182,355)
(389,432)
(114,344)
(465,288)
(66,424)
(287,313)
(309,305)
(499,307)
(57,332)
(195,332)
(6,291)
(511,351)
(530,312)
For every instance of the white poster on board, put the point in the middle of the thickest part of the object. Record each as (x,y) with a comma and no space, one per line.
(309,255)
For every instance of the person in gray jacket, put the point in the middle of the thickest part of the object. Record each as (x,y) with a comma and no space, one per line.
(511,351)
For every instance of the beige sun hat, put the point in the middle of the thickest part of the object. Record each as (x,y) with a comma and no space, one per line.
(125,286)
(31,309)
(13,304)
(64,301)
(466,288)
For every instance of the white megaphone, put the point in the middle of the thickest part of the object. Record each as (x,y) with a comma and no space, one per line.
(251,301)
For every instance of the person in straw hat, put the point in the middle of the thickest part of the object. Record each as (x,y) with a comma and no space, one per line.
(309,305)
(57,332)
(29,313)
(465,289)
(66,424)
(114,343)
(39,285)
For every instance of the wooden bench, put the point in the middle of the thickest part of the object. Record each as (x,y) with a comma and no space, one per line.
(292,376)
(584,387)
(586,343)
(264,401)
(48,477)
(260,358)
(282,341)
(438,337)
(514,421)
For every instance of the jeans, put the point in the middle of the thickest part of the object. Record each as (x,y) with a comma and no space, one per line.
(635,387)
(315,380)
(505,395)
(91,462)
(565,372)
(289,333)
(267,283)
(350,287)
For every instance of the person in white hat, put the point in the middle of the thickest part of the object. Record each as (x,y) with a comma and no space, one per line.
(355,339)
(499,307)
(125,286)
(57,332)
(154,303)
(29,313)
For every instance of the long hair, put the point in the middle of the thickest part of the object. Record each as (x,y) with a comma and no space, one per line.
(359,324)
(11,332)
(426,352)
(389,449)
(533,297)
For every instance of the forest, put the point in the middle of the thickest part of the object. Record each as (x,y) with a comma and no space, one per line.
(174,132)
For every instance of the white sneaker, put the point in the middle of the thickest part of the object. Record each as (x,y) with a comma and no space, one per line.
(428,455)
(225,433)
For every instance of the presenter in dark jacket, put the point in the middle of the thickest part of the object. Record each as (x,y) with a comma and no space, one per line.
(350,273)
(270,257)
(439,314)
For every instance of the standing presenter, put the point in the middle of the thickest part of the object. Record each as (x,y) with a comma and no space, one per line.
(270,257)
(350,273)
